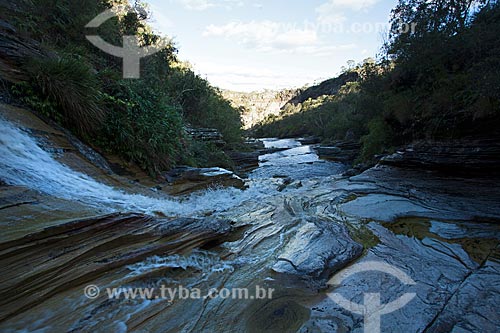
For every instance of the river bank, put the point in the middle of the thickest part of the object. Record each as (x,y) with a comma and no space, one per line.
(68,224)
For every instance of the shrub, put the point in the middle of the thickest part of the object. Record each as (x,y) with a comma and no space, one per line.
(144,126)
(71,85)
(378,139)
(207,155)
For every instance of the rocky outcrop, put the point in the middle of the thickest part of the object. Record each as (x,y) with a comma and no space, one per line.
(480,156)
(312,140)
(440,231)
(72,254)
(257,106)
(329,87)
(245,161)
(210,135)
(316,250)
(342,151)
(184,180)
(14,50)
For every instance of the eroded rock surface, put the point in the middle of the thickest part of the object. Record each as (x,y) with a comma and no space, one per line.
(441,231)
(184,180)
(316,250)
(41,266)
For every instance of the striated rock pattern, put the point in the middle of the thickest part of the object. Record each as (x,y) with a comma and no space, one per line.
(257,106)
(343,151)
(39,266)
(316,250)
(478,156)
(441,230)
(186,179)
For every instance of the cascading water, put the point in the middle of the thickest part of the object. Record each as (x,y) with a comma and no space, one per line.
(24,163)
(269,218)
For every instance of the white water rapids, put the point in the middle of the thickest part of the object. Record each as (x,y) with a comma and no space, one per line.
(24,163)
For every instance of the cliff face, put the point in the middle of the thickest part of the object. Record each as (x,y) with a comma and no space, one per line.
(256,106)
(329,87)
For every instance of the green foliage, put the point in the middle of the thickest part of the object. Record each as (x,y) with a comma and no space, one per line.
(72,87)
(207,155)
(81,87)
(440,82)
(143,126)
(377,139)
(203,105)
(24,92)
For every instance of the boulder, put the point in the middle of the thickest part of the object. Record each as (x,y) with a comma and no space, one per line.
(312,140)
(342,151)
(245,161)
(184,180)
(317,250)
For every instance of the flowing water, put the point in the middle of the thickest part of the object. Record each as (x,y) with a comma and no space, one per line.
(24,163)
(291,201)
(245,262)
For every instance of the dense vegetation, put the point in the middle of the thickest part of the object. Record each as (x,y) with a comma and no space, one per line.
(441,81)
(69,80)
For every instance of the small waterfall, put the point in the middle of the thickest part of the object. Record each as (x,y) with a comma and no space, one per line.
(24,163)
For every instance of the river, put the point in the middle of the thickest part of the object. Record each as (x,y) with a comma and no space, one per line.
(297,224)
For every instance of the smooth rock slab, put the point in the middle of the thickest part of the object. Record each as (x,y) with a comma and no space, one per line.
(184,180)
(453,292)
(317,250)
(474,307)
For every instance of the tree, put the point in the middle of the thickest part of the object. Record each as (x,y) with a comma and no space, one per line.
(431,19)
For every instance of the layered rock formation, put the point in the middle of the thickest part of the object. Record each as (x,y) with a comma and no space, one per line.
(184,180)
(440,230)
(257,106)
(342,151)
(478,156)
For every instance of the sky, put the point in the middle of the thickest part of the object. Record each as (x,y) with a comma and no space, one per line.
(246,45)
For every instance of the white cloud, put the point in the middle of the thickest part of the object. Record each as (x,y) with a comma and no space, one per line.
(331,12)
(331,18)
(197,4)
(201,5)
(268,36)
(248,78)
(347,4)
(160,21)
(274,37)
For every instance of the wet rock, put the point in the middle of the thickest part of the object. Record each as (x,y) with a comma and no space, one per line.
(342,151)
(245,161)
(286,181)
(71,254)
(312,140)
(317,250)
(479,295)
(443,300)
(254,144)
(281,315)
(184,180)
(440,231)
